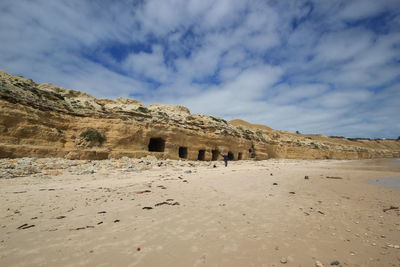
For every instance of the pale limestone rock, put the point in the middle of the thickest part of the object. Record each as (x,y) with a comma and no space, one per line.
(170,109)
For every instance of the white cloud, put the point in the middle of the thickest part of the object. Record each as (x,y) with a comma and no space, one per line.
(238,95)
(285,94)
(343,45)
(360,9)
(222,14)
(150,65)
(229,73)
(340,99)
(200,64)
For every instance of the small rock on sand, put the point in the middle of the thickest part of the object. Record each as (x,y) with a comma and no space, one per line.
(26,226)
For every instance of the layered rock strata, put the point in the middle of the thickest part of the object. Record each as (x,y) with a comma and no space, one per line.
(43,120)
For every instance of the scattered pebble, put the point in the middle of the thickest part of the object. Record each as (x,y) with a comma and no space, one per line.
(143,191)
(26,226)
(390,208)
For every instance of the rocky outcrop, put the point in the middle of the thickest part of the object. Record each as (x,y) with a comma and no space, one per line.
(43,120)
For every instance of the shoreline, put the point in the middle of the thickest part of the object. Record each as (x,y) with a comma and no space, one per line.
(145,212)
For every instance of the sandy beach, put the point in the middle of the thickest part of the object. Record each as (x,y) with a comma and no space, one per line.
(181,213)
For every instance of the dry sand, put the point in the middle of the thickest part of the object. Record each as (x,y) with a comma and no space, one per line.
(249,214)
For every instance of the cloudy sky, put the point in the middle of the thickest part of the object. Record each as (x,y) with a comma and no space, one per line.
(330,67)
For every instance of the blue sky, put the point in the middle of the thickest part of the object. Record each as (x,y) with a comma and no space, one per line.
(326,67)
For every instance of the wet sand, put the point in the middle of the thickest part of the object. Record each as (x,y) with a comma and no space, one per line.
(266,213)
(390,182)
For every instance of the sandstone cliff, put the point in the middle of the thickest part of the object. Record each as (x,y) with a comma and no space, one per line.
(43,120)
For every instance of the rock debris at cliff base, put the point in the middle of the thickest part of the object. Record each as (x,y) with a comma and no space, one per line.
(49,167)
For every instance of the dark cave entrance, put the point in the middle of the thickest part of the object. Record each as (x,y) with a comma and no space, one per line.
(215,155)
(240,156)
(201,155)
(183,152)
(231,156)
(156,145)
(252,153)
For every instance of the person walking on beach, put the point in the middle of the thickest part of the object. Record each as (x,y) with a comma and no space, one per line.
(226,158)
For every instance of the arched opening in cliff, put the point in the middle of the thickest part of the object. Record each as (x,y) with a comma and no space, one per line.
(183,152)
(231,156)
(156,145)
(240,156)
(215,155)
(201,155)
(252,153)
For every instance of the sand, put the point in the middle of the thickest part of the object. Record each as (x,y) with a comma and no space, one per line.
(249,214)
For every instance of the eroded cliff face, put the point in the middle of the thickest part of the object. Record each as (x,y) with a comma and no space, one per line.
(43,120)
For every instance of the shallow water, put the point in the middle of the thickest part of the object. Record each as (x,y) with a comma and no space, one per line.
(387,164)
(392,164)
(392,182)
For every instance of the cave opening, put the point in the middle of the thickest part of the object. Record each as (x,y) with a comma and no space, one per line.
(215,155)
(183,152)
(156,145)
(201,155)
(240,156)
(252,153)
(231,156)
